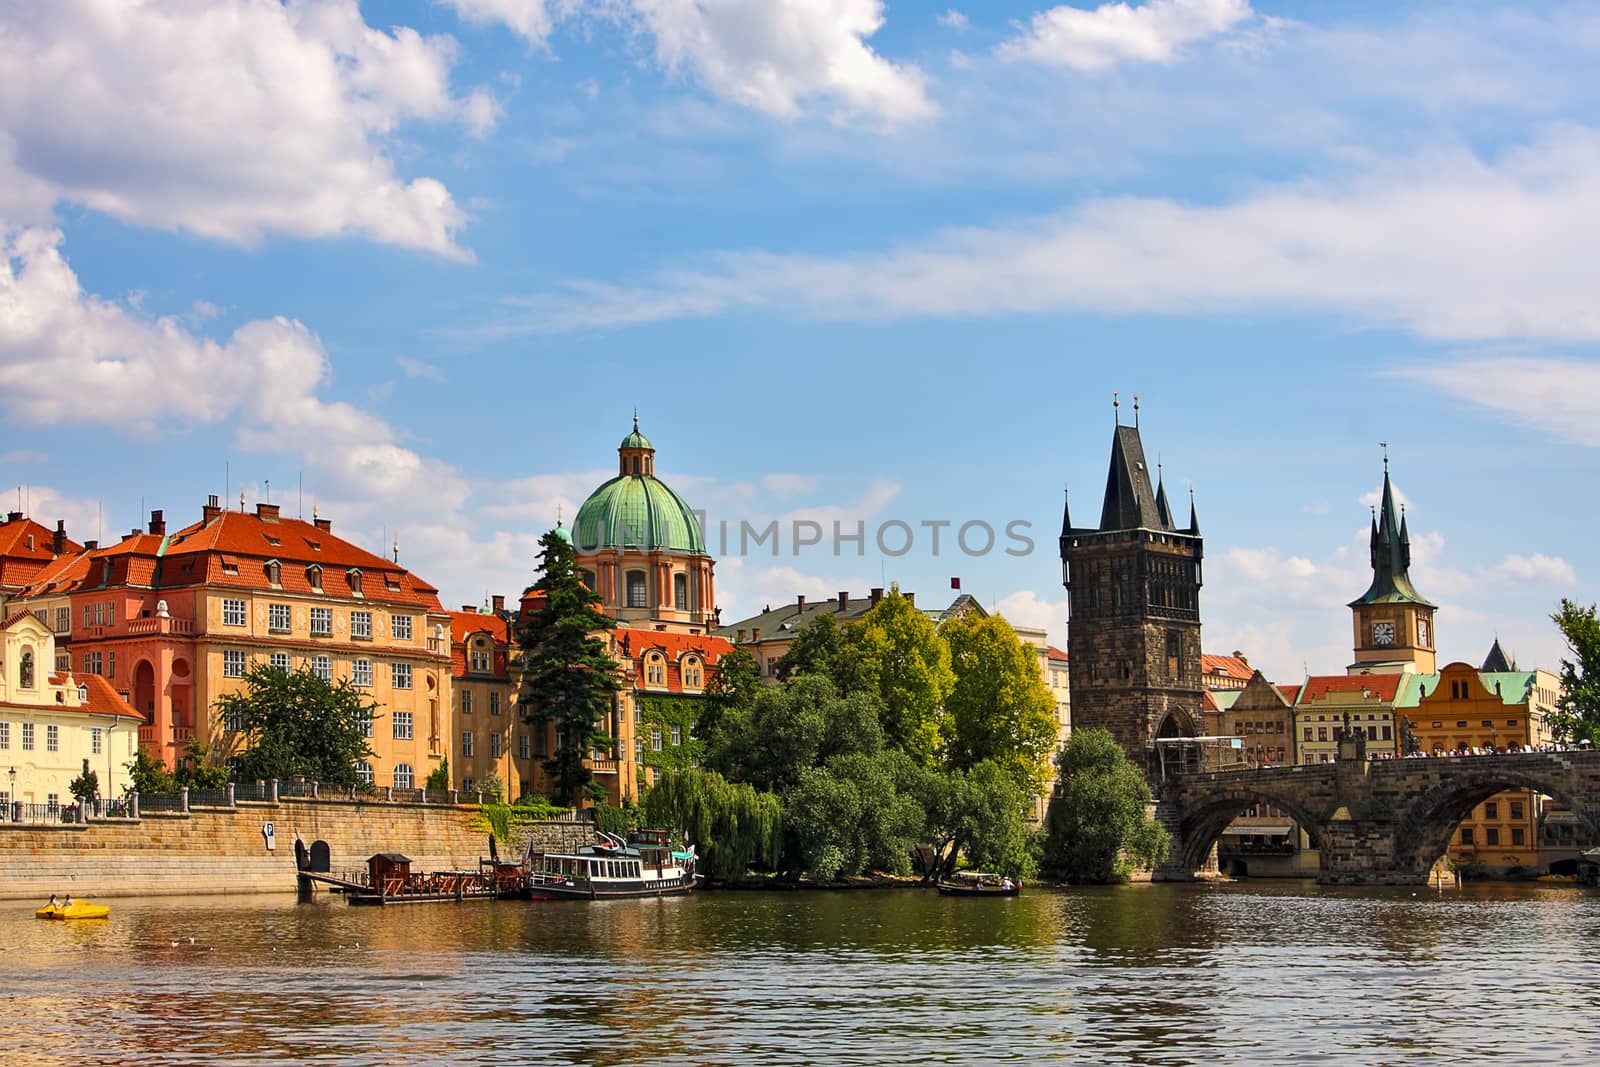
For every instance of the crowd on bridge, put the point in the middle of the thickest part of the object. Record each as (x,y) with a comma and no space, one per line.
(1511,748)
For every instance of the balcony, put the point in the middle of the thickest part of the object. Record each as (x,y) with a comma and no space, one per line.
(182,627)
(603,766)
(181,734)
(147,735)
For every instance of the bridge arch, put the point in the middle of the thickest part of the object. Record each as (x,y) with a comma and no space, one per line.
(1207,812)
(1426,824)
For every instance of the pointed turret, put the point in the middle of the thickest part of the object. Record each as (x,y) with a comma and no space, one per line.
(1163,508)
(1066,513)
(1391,555)
(1130,503)
(1194,519)
(1497,660)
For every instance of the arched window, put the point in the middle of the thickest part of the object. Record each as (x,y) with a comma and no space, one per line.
(403,776)
(25,669)
(314,577)
(655,669)
(691,672)
(274,573)
(638,597)
(680,592)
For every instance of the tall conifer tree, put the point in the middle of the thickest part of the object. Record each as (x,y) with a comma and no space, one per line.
(567,676)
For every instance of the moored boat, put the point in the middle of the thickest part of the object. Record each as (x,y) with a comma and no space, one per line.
(645,865)
(78,909)
(978,884)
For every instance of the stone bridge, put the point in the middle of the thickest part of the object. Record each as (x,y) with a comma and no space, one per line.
(1381,822)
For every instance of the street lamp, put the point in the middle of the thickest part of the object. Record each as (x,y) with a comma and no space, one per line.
(12,795)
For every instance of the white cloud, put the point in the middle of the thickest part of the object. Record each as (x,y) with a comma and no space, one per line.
(1113,33)
(1556,396)
(1027,608)
(86,519)
(954,20)
(23,457)
(416,368)
(67,356)
(1538,567)
(782,485)
(226,118)
(528,19)
(1386,246)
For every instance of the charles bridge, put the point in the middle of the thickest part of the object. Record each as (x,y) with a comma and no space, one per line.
(1375,822)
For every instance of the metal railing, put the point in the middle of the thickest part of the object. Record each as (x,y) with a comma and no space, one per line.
(261,792)
(211,798)
(149,802)
(42,814)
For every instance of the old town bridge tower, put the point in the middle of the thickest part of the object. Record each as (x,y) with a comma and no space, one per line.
(1133,634)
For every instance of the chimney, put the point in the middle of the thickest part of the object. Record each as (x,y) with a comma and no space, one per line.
(499,602)
(844,601)
(267,512)
(90,546)
(58,542)
(876,595)
(13,516)
(323,524)
(740,639)
(469,607)
(212,509)
(1240,657)
(800,605)
(911,599)
(158,524)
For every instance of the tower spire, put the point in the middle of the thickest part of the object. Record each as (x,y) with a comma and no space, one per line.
(1116,408)
(1194,519)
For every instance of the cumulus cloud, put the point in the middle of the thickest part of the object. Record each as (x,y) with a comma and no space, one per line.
(230,119)
(1385,245)
(954,20)
(1113,33)
(67,356)
(1027,608)
(1559,396)
(528,19)
(1538,567)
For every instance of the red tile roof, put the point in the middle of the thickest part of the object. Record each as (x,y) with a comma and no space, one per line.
(673,645)
(463,624)
(1055,653)
(19,562)
(1291,693)
(101,699)
(1207,701)
(1231,666)
(1383,687)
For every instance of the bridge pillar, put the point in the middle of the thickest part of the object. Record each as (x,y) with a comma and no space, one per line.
(1184,862)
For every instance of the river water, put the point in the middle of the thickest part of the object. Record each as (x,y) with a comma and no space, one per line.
(1235,973)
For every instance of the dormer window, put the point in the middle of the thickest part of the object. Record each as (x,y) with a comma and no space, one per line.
(692,673)
(354,577)
(274,573)
(391,582)
(314,578)
(655,669)
(105,572)
(83,694)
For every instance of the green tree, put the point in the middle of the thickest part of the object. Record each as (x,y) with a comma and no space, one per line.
(734,685)
(819,649)
(197,768)
(1097,825)
(787,729)
(147,775)
(567,675)
(900,656)
(295,723)
(849,817)
(999,709)
(980,813)
(439,777)
(85,786)
(1577,714)
(732,826)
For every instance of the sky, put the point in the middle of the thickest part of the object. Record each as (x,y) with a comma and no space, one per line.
(870,263)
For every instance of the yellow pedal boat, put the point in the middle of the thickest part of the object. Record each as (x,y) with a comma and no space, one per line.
(78,909)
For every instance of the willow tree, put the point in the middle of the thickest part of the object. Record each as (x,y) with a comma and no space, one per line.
(568,677)
(732,826)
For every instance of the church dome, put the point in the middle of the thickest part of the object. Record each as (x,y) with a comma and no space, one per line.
(635,510)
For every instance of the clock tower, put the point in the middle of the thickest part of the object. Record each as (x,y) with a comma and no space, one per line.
(1393,623)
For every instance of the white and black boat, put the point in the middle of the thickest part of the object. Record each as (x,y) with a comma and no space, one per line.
(645,865)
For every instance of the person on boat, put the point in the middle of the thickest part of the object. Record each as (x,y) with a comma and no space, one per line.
(54,903)
(65,904)
(1007,884)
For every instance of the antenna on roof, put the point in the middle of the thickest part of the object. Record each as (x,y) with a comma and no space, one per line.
(1135,411)
(1116,408)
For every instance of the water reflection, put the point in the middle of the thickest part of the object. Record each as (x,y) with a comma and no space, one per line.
(1143,974)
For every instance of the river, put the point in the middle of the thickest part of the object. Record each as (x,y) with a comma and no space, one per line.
(1235,973)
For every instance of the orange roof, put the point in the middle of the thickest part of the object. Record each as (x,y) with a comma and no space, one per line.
(1383,687)
(463,623)
(20,560)
(673,645)
(1231,666)
(59,575)
(13,617)
(1291,693)
(101,699)
(1054,653)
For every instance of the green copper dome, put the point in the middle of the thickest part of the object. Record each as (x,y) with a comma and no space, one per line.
(638,512)
(636,440)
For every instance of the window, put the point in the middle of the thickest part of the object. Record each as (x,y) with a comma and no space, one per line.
(366,724)
(772,666)
(494,703)
(1492,836)
(88,615)
(233,722)
(402,675)
(522,746)
(92,663)
(1491,810)
(364,772)
(361,625)
(480,659)
(496,746)
(274,574)
(400,627)
(278,618)
(322,667)
(1518,837)
(96,741)
(677,735)
(63,660)
(111,663)
(466,785)
(402,726)
(361,672)
(233,663)
(5,735)
(680,592)
(1516,809)
(280,660)
(27,737)
(52,738)
(466,742)
(1466,835)
(403,778)
(232,612)
(638,713)
(63,620)
(1388,733)
(655,670)
(314,579)
(691,672)
(321,622)
(1308,733)
(354,578)
(466,702)
(638,750)
(655,739)
(637,596)
(1322,733)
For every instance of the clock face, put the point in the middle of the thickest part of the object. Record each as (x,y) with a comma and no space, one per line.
(1383,633)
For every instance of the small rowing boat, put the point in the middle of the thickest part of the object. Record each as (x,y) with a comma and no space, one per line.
(978,884)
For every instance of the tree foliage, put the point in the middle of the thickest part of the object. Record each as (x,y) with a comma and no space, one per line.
(732,826)
(980,813)
(85,785)
(787,729)
(898,654)
(1097,826)
(999,710)
(295,723)
(567,675)
(734,685)
(1577,714)
(849,817)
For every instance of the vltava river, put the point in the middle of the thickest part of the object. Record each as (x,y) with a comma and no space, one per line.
(1244,973)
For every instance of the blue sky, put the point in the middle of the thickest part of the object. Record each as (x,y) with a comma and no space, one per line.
(851,260)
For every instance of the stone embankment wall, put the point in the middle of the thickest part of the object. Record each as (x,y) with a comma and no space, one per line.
(224,850)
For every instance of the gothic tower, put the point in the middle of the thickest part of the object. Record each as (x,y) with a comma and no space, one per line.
(1133,633)
(1393,623)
